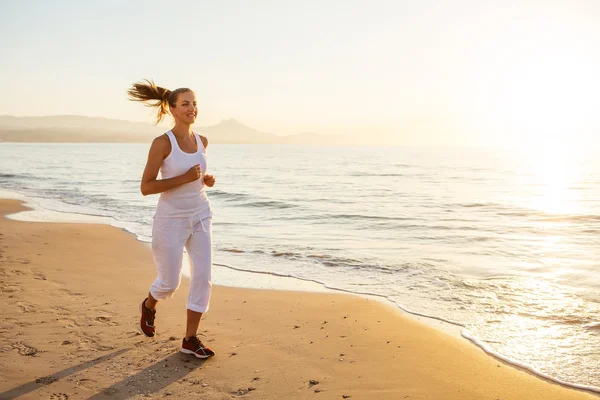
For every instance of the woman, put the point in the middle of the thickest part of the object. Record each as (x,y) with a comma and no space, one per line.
(183,215)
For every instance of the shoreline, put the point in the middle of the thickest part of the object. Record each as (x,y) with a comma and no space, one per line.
(267,280)
(271,281)
(272,341)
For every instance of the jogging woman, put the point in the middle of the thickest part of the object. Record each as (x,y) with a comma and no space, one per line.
(183,215)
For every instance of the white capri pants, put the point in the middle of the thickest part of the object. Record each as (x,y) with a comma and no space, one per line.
(169,236)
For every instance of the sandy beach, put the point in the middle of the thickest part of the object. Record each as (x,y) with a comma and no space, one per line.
(68,330)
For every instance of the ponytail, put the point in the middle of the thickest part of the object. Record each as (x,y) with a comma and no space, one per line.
(147,92)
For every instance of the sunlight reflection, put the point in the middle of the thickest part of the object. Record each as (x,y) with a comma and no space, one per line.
(536,316)
(555,171)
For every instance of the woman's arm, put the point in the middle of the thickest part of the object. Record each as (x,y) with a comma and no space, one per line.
(151,185)
(209,180)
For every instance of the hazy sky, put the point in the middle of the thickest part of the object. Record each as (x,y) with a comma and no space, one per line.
(456,71)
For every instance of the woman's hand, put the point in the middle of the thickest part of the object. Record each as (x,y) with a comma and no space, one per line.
(209,180)
(193,173)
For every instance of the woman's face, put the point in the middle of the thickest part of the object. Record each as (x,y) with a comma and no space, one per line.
(185,109)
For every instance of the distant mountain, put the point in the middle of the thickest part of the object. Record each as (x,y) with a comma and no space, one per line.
(73,128)
(232,131)
(70,122)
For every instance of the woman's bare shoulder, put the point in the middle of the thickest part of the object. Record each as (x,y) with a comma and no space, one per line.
(204,140)
(162,144)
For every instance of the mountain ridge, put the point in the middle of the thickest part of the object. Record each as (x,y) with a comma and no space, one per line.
(84,129)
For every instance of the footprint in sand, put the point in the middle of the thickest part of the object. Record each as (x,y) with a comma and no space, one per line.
(59,396)
(39,276)
(104,348)
(18,260)
(244,391)
(26,308)
(67,322)
(60,310)
(7,288)
(24,349)
(87,383)
(88,343)
(46,380)
(71,293)
(105,321)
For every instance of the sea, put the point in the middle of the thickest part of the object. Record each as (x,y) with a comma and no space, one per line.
(503,245)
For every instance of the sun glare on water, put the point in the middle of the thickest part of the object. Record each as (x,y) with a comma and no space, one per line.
(555,171)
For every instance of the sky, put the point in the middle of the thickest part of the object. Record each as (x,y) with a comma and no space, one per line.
(472,72)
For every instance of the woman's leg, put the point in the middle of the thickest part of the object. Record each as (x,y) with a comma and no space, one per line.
(193,322)
(199,247)
(168,238)
(150,302)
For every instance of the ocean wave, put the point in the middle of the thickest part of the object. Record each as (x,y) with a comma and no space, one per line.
(478,205)
(540,216)
(366,217)
(488,349)
(269,204)
(227,195)
(332,261)
(237,251)
(573,218)
(374,174)
(20,176)
(506,210)
(245,200)
(593,326)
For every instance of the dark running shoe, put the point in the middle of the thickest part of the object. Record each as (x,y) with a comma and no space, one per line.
(194,346)
(147,319)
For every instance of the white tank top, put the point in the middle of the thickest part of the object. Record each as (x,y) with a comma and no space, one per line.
(190,198)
